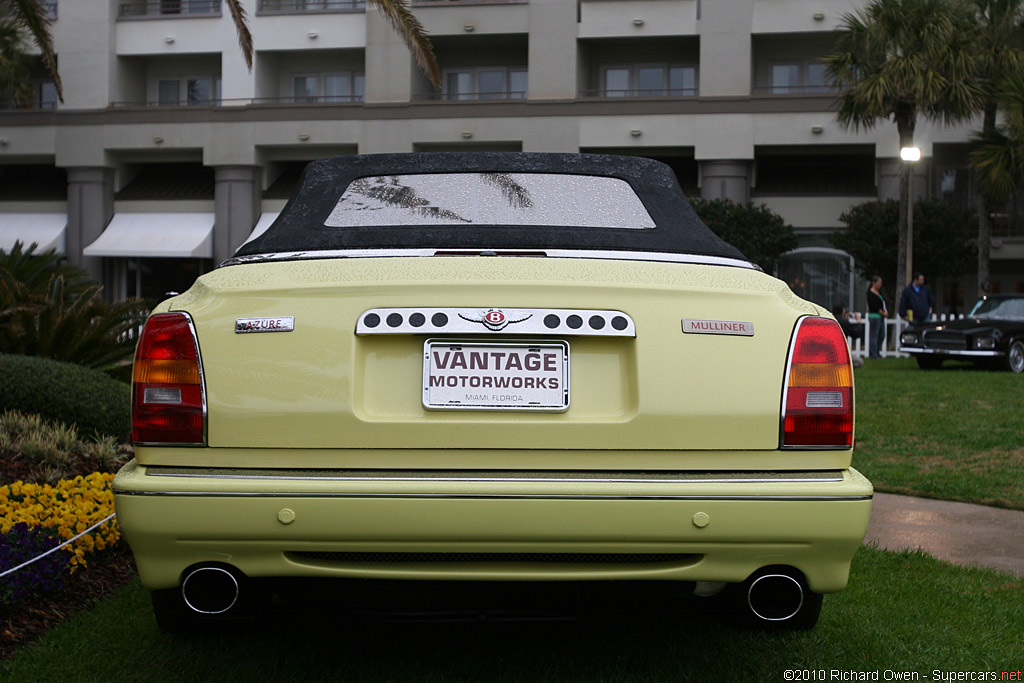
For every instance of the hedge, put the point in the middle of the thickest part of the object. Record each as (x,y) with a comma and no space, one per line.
(68,393)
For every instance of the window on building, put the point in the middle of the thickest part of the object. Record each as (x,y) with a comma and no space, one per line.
(189,6)
(648,80)
(485,83)
(798,77)
(193,91)
(341,86)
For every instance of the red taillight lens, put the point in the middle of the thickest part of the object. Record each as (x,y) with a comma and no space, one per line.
(167,383)
(818,403)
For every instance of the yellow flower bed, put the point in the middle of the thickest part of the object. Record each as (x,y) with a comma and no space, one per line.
(64,510)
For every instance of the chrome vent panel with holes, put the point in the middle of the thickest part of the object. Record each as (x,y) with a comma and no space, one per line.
(533,321)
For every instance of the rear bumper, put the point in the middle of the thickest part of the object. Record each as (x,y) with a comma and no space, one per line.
(545,525)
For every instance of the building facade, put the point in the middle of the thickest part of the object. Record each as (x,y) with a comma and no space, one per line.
(168,152)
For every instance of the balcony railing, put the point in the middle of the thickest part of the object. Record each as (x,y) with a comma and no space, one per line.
(792,89)
(309,6)
(638,93)
(240,102)
(310,99)
(470,96)
(169,8)
(439,3)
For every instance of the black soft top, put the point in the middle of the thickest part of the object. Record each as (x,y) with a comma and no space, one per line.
(301,225)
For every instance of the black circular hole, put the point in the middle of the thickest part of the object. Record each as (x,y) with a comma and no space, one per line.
(596,322)
(551,321)
(394,320)
(574,321)
(371,320)
(620,323)
(439,320)
(417,319)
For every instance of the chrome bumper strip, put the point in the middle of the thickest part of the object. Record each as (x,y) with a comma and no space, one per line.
(950,352)
(475,496)
(445,476)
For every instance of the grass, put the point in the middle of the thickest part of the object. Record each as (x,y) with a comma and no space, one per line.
(956,433)
(902,611)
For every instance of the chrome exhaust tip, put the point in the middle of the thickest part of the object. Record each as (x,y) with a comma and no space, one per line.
(210,590)
(775,597)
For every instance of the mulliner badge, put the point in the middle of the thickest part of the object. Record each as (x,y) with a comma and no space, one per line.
(250,325)
(732,327)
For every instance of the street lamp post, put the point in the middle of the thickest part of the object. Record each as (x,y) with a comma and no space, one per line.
(910,156)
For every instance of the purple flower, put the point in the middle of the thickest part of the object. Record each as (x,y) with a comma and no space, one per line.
(21,544)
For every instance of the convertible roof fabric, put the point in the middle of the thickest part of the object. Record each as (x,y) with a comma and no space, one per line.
(300,226)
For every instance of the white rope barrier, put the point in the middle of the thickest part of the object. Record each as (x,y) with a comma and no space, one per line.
(62,545)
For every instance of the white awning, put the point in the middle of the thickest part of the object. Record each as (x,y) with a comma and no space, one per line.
(261,225)
(45,229)
(156,235)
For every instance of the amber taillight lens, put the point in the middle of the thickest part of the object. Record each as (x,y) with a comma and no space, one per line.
(817,406)
(168,403)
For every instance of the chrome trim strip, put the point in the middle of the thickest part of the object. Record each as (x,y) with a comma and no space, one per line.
(475,496)
(951,352)
(555,321)
(657,256)
(533,477)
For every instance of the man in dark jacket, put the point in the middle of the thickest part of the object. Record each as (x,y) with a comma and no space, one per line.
(917,302)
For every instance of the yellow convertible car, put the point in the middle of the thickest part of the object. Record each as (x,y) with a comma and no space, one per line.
(491,368)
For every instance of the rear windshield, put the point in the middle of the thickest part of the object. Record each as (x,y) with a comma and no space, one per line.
(523,199)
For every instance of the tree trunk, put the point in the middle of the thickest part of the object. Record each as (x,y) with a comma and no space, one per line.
(984,204)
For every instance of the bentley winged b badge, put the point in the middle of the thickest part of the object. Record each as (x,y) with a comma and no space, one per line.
(496,319)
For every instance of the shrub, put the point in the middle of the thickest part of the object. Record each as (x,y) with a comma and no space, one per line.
(66,393)
(943,236)
(54,311)
(757,231)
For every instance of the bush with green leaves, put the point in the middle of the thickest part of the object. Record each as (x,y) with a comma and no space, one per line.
(54,311)
(757,231)
(67,393)
(943,235)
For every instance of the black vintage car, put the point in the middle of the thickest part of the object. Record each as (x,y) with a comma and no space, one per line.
(993,333)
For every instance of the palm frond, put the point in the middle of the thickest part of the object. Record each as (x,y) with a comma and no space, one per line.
(413,34)
(238,15)
(32,16)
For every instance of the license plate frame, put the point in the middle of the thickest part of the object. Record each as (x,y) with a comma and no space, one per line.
(461,374)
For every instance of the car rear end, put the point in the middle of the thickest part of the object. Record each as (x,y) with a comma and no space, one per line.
(492,417)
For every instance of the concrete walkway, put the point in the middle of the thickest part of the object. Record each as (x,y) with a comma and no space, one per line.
(957,532)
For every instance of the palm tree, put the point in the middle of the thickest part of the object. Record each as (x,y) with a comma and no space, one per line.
(998,154)
(1000,54)
(30,15)
(14,65)
(898,59)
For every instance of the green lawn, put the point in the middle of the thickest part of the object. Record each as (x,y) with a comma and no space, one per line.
(902,611)
(956,433)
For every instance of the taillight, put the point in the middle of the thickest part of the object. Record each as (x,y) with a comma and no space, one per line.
(168,403)
(817,408)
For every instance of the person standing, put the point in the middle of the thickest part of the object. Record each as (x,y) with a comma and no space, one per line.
(877,314)
(917,302)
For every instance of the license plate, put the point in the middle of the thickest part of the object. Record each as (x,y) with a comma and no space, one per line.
(459,375)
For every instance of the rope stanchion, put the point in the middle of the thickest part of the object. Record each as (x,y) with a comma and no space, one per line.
(62,545)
